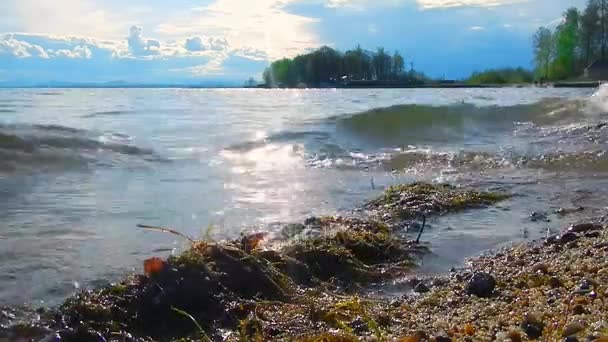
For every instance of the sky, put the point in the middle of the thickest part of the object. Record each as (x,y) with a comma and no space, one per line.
(201,41)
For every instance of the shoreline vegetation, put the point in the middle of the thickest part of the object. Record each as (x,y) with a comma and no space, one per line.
(307,283)
(563,57)
(319,281)
(315,282)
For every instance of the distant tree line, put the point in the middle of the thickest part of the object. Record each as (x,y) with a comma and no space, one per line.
(501,76)
(580,39)
(329,66)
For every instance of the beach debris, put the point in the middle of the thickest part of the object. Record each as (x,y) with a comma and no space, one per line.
(153,265)
(166,230)
(252,241)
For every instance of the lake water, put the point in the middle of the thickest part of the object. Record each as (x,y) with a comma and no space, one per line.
(80,168)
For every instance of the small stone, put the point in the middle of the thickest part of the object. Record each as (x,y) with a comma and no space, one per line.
(542,268)
(532,326)
(587,284)
(514,336)
(469,329)
(567,237)
(501,336)
(520,262)
(573,329)
(440,281)
(359,326)
(442,339)
(421,288)
(578,310)
(481,285)
(554,282)
(571,339)
(395,303)
(584,227)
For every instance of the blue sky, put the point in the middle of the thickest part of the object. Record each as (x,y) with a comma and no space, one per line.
(185,41)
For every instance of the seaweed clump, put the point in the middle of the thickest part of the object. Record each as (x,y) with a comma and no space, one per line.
(204,281)
(235,290)
(402,203)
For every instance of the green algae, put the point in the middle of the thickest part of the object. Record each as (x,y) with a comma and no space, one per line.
(412,201)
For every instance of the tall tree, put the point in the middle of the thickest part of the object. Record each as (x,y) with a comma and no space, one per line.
(543,51)
(567,40)
(398,65)
(589,31)
(603,26)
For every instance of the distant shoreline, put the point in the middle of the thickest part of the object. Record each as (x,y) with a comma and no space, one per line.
(585,84)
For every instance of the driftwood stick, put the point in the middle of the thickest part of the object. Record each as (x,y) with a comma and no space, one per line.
(421,229)
(166,230)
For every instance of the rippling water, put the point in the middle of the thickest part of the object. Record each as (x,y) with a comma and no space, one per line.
(80,168)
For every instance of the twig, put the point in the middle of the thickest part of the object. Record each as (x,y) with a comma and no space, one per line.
(421,229)
(166,230)
(189,316)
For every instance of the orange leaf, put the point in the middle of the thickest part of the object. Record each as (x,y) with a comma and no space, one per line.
(153,265)
(251,242)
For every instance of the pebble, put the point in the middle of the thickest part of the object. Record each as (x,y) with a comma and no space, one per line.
(514,336)
(481,285)
(469,329)
(578,310)
(554,282)
(442,339)
(573,329)
(584,227)
(542,268)
(421,288)
(532,326)
(567,237)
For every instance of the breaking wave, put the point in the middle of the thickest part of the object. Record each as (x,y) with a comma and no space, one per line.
(401,124)
(57,147)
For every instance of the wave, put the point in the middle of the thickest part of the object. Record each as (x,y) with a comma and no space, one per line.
(413,123)
(281,137)
(58,147)
(107,113)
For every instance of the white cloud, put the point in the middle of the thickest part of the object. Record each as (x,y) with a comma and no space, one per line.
(264,24)
(77,52)
(195,44)
(59,17)
(430,4)
(424,4)
(140,46)
(251,53)
(20,49)
(218,44)
(477,28)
